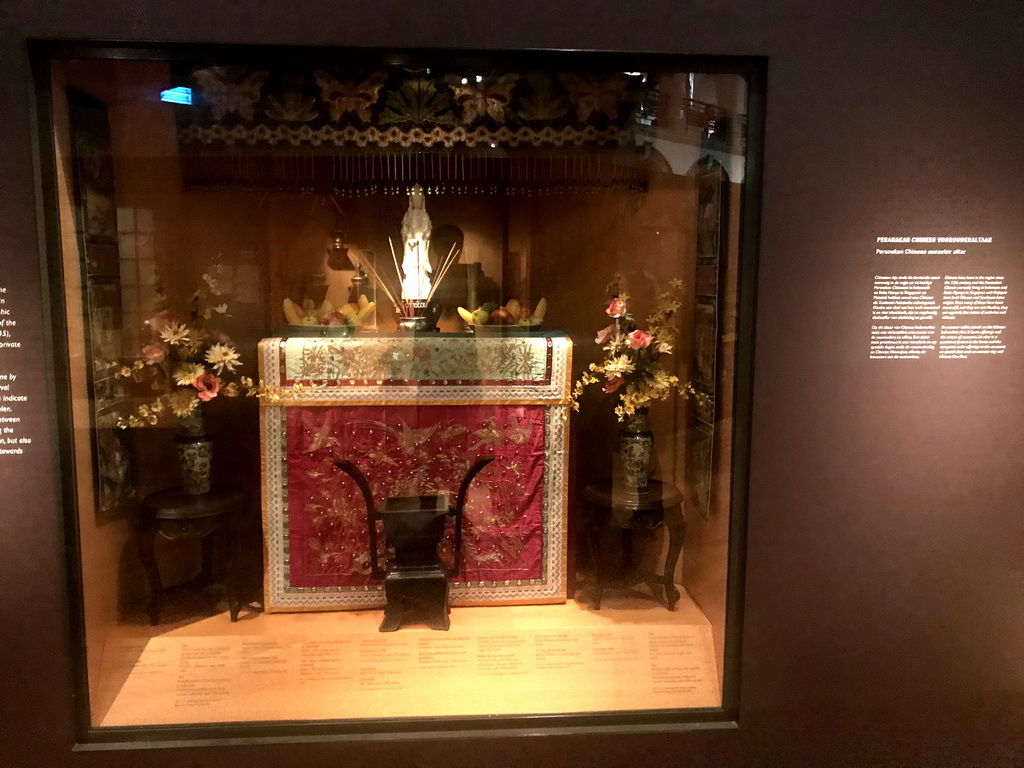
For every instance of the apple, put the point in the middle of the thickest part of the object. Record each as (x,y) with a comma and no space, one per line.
(481,316)
(502,316)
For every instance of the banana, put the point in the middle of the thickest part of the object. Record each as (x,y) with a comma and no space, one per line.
(292,312)
(513,308)
(307,313)
(542,307)
(466,315)
(349,310)
(363,301)
(364,314)
(324,312)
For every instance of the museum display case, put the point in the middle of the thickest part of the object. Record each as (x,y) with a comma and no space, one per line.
(404,391)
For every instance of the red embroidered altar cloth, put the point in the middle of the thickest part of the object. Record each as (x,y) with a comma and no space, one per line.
(414,412)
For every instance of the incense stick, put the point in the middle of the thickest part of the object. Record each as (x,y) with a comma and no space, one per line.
(450,259)
(446,262)
(441,272)
(387,290)
(380,281)
(394,258)
(406,302)
(453,257)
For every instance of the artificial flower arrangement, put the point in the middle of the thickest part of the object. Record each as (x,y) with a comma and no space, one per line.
(632,366)
(184,361)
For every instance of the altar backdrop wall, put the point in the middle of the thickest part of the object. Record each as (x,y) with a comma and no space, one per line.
(885,577)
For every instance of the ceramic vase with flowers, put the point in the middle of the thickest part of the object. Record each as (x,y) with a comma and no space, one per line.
(195,454)
(632,369)
(186,365)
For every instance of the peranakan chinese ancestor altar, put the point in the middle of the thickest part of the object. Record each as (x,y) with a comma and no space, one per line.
(414,412)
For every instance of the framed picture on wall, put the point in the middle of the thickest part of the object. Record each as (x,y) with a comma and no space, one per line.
(700,466)
(711,182)
(705,337)
(709,209)
(96,227)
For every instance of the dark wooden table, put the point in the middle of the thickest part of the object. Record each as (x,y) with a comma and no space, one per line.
(608,502)
(173,514)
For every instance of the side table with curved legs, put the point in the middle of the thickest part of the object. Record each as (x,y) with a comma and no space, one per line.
(173,514)
(662,504)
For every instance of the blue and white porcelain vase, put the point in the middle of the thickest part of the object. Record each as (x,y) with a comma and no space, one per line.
(195,454)
(637,443)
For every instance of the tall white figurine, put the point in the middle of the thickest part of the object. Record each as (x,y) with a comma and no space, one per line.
(416,236)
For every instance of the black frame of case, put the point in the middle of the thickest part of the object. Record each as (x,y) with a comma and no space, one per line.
(44,53)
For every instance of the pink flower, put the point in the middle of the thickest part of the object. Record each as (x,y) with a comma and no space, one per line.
(161,320)
(616,308)
(613,384)
(639,339)
(154,353)
(208,386)
(604,334)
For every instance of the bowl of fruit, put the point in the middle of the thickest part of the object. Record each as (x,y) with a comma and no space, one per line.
(491,319)
(325,318)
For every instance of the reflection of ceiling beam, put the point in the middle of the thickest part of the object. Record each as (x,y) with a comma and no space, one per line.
(697,115)
(682,157)
(698,129)
(698,122)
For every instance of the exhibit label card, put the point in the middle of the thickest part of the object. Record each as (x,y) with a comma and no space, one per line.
(413,673)
(943,312)
(14,396)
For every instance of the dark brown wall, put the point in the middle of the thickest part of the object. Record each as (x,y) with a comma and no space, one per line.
(885,574)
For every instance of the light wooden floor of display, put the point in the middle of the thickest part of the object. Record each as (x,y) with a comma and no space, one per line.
(632,654)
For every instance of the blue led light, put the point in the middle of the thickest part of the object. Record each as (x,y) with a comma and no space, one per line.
(180,95)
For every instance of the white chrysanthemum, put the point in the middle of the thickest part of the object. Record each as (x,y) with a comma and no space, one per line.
(175,333)
(619,366)
(663,380)
(182,403)
(186,373)
(222,356)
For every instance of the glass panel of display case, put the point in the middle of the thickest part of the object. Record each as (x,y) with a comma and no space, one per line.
(402,387)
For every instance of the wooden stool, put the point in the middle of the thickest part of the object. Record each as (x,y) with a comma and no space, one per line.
(629,511)
(174,514)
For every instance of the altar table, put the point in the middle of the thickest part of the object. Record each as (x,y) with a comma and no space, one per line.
(414,412)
